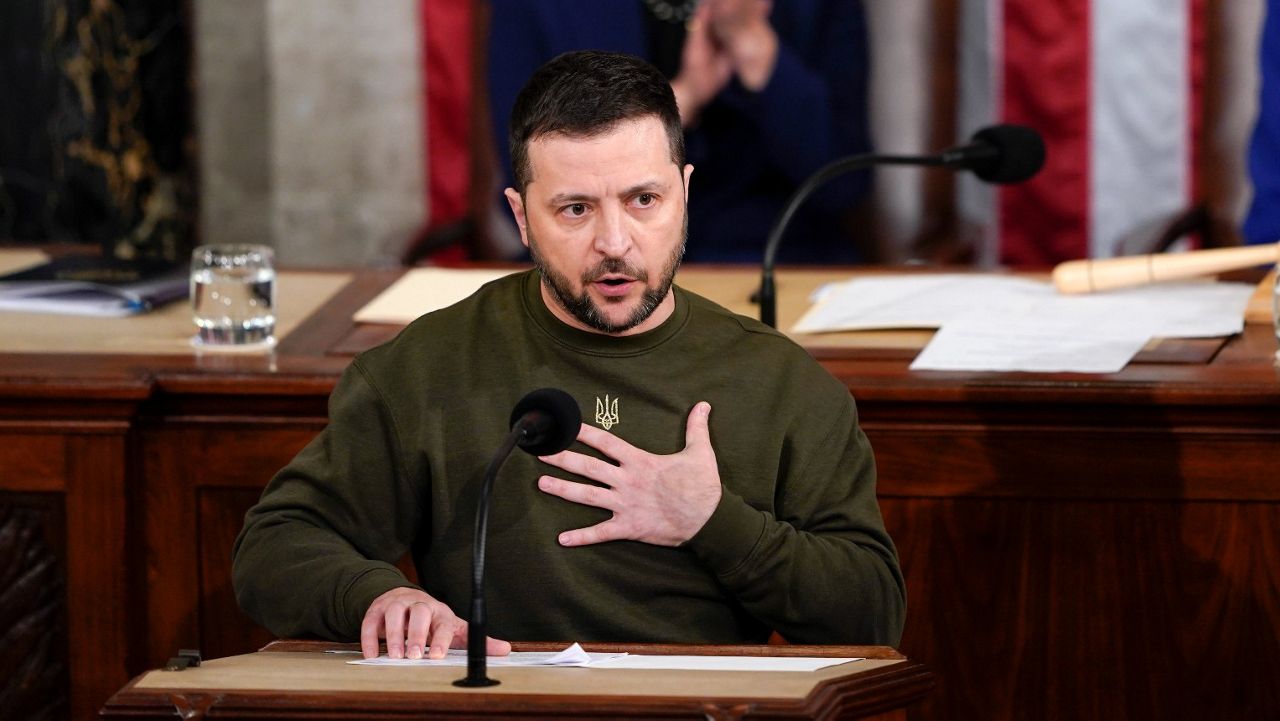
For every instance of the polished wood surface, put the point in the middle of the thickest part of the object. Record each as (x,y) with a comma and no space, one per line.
(1075,545)
(301,680)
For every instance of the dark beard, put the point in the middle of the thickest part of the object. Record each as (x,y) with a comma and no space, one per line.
(585,310)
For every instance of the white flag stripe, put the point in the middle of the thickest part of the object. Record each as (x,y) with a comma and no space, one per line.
(979,104)
(1140,125)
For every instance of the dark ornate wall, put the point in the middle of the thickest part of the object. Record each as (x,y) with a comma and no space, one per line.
(95,125)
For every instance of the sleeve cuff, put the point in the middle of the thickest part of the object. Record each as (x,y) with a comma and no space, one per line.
(730,536)
(362,592)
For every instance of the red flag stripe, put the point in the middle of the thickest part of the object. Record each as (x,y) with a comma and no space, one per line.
(1046,66)
(446,53)
(1197,61)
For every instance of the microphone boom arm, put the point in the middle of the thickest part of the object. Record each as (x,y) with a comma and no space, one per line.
(768,290)
(997,154)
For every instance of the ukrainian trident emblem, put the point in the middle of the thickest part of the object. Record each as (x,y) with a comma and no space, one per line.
(606,412)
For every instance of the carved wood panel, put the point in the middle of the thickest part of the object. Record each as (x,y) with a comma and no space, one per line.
(34,674)
(199,479)
(224,629)
(1106,609)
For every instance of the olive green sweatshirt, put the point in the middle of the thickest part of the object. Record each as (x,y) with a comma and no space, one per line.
(796,544)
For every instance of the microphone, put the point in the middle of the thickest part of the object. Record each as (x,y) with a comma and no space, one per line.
(545,421)
(999,154)
(996,154)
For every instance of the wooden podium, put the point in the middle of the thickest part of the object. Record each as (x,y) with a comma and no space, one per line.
(297,679)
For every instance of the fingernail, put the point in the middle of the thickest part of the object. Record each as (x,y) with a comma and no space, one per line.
(544,483)
(415,652)
(564,539)
(436,653)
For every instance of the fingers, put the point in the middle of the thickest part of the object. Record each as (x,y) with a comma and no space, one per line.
(420,617)
(370,632)
(492,646)
(442,637)
(407,618)
(583,465)
(395,625)
(582,493)
(416,625)
(698,430)
(610,530)
(607,443)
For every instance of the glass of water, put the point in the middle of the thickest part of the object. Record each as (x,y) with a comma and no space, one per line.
(233,297)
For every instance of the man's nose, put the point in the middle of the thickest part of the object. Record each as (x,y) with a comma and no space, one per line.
(613,234)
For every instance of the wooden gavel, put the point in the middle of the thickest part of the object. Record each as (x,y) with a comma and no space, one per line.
(1088,276)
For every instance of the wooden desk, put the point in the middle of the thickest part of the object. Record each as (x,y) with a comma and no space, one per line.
(300,680)
(1075,545)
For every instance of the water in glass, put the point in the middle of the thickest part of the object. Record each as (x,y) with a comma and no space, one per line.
(234,303)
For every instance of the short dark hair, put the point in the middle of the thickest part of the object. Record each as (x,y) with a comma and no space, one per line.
(586,93)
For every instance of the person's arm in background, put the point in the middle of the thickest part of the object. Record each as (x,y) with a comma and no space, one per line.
(705,67)
(802,76)
(1263,222)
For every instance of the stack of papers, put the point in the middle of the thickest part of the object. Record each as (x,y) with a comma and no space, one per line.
(1001,323)
(571,656)
(576,656)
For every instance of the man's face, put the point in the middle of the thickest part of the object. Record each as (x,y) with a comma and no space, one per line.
(604,219)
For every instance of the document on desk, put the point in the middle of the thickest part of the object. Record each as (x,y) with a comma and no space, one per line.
(422,290)
(574,655)
(571,656)
(917,300)
(723,663)
(1001,323)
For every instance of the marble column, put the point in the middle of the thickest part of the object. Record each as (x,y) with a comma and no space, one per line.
(310,127)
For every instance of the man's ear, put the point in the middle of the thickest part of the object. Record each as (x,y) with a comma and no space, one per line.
(688,173)
(517,210)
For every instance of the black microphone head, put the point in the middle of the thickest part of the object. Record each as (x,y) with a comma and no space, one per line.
(551,419)
(1020,154)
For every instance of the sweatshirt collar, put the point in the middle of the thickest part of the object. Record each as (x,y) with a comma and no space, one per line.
(600,343)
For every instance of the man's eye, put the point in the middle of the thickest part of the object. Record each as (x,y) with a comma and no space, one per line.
(644,200)
(576,210)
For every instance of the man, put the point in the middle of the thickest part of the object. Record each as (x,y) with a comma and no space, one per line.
(662,524)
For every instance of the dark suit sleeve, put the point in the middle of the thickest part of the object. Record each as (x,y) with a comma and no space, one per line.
(813,109)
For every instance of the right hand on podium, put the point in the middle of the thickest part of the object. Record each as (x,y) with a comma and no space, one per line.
(409,619)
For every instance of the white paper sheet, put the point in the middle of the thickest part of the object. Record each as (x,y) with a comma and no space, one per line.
(574,655)
(909,301)
(422,290)
(571,656)
(722,663)
(974,344)
(1000,323)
